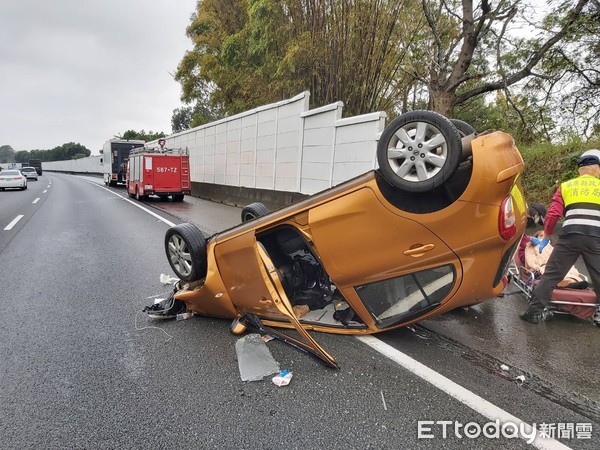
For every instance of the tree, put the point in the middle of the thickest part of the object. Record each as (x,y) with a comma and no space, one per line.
(142,135)
(468,51)
(187,117)
(252,52)
(22,156)
(397,55)
(7,154)
(63,152)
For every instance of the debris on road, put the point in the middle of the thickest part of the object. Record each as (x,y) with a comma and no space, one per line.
(383,400)
(504,367)
(254,358)
(520,378)
(184,315)
(283,378)
(167,279)
(167,308)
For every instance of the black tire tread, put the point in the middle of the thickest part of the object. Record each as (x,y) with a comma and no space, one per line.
(256,209)
(464,128)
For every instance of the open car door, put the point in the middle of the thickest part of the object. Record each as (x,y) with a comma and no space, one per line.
(277,292)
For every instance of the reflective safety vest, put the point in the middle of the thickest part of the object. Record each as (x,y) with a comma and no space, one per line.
(582,206)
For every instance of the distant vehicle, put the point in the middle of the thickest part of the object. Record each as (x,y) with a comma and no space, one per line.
(115,157)
(30,172)
(12,179)
(37,163)
(164,172)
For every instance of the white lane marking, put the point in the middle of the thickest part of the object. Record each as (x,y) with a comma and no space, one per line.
(137,205)
(36,200)
(458,392)
(45,191)
(13,223)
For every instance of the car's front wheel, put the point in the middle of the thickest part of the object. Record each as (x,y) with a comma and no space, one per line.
(185,246)
(419,151)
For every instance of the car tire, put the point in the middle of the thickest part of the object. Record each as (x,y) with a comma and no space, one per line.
(412,166)
(139,197)
(178,197)
(185,246)
(464,129)
(254,211)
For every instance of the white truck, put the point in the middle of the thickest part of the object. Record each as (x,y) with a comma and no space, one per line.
(115,155)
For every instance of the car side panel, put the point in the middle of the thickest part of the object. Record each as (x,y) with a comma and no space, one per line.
(361,241)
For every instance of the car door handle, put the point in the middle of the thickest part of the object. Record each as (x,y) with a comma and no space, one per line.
(419,251)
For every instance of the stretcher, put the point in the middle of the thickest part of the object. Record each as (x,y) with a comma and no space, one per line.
(581,302)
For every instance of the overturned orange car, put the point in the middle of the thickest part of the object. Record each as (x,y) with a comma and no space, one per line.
(433,229)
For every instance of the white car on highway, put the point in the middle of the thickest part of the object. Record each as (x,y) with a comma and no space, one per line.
(12,179)
(30,172)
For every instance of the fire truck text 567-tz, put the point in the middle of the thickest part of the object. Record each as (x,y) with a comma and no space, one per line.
(166,169)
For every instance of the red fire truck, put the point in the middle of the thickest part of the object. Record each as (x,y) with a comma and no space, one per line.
(158,171)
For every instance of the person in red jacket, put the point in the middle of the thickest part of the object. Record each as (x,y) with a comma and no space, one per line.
(578,200)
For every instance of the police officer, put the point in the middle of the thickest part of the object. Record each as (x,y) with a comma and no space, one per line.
(578,200)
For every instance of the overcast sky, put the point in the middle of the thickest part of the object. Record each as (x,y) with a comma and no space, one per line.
(85,70)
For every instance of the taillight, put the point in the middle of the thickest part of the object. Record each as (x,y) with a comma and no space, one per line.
(506,219)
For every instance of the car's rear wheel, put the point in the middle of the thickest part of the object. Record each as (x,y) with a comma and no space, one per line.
(178,198)
(185,246)
(419,151)
(464,128)
(254,211)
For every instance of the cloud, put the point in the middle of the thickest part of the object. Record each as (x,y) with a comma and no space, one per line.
(83,71)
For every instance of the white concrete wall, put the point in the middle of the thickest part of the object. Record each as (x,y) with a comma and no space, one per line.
(90,164)
(283,146)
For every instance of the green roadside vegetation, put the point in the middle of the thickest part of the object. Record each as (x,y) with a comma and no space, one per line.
(547,165)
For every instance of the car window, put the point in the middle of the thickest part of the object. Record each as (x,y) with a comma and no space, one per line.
(11,172)
(393,300)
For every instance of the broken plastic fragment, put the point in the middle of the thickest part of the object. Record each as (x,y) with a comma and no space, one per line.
(283,378)
(267,338)
(185,315)
(504,367)
(520,378)
(254,358)
(166,279)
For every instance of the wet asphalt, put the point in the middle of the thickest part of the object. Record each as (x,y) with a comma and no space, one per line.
(563,355)
(80,367)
